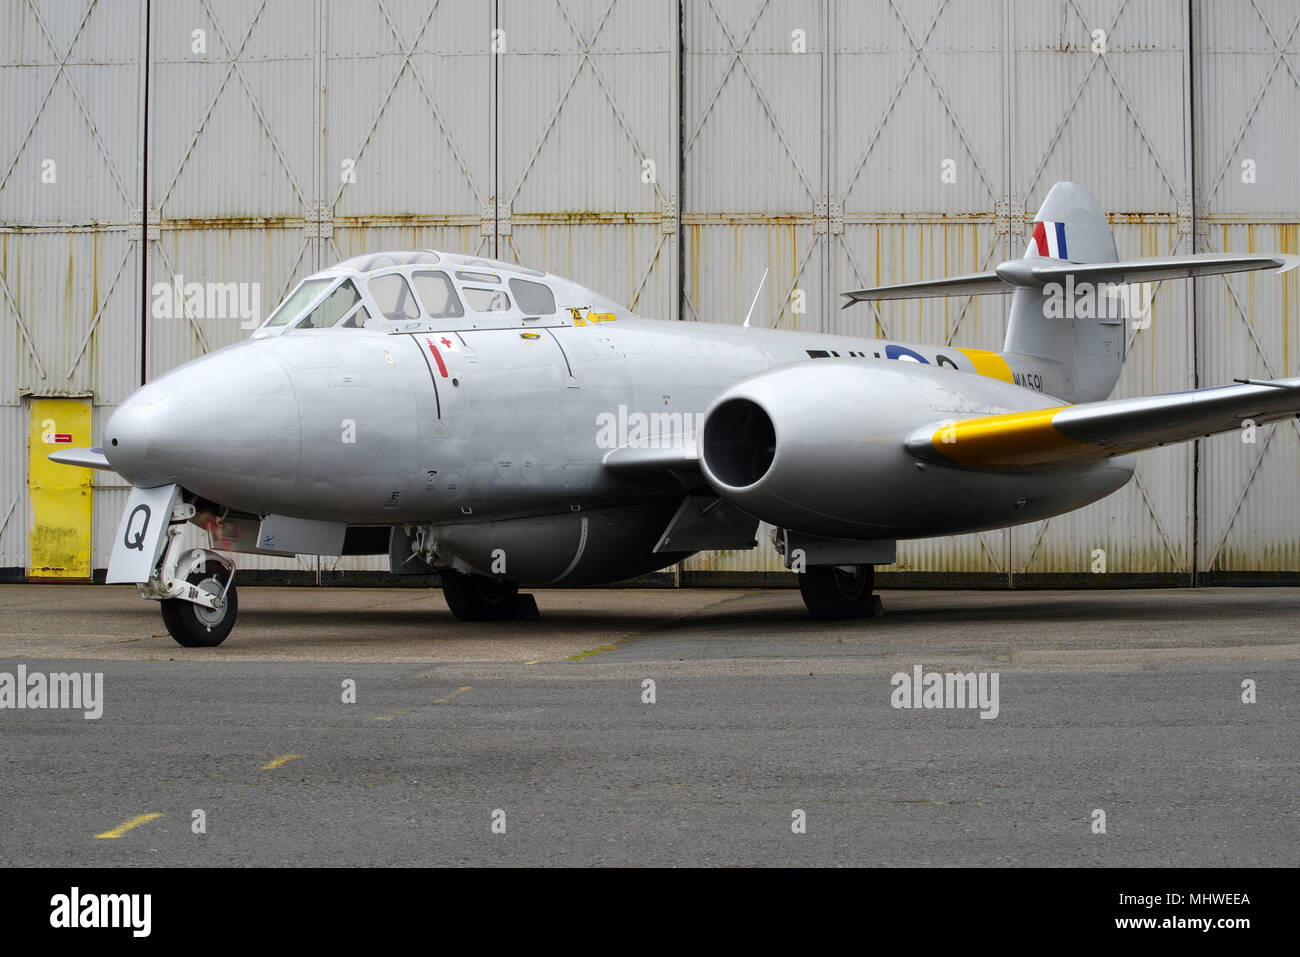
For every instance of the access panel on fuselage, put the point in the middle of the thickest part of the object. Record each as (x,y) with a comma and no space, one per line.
(357,402)
(503,397)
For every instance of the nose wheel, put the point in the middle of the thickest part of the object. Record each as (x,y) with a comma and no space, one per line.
(197,626)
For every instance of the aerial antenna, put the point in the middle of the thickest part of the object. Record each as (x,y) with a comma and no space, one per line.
(745,325)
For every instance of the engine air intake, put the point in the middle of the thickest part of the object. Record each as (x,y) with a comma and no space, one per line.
(739,442)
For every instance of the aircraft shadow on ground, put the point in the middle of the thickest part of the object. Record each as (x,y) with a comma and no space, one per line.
(910,609)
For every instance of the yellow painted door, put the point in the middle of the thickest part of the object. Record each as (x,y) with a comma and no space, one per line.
(60,494)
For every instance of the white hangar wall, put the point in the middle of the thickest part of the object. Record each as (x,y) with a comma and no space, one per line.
(667,154)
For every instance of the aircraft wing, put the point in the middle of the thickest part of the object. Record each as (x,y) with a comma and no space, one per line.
(1073,435)
(1040,272)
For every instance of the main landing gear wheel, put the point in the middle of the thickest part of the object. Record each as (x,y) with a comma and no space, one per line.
(838,592)
(195,626)
(479,598)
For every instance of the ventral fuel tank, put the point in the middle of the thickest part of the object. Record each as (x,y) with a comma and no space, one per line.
(580,548)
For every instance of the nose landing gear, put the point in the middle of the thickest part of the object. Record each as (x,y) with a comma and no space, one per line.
(196,589)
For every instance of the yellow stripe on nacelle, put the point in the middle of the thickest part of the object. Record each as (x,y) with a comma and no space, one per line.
(1014,440)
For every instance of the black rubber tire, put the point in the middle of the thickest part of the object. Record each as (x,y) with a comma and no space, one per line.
(479,598)
(194,626)
(832,594)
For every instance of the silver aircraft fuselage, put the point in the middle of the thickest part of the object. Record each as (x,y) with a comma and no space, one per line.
(500,426)
(489,419)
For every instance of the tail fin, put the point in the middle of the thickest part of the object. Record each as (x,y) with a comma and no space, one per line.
(1070,226)
(1071,296)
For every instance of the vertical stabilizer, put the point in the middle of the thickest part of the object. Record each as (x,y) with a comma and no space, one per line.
(1081,328)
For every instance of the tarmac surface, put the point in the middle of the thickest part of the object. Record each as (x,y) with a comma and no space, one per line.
(1124,702)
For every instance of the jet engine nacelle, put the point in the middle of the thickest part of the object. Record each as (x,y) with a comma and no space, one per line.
(818,447)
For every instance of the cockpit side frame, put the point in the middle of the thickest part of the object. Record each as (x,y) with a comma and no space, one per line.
(463,273)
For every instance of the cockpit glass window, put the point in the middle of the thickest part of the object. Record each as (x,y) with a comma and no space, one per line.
(332,308)
(370,262)
(464,276)
(357,320)
(288,310)
(487,300)
(534,298)
(437,294)
(480,263)
(394,297)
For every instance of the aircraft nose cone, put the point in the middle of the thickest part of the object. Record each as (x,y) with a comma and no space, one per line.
(225,426)
(126,436)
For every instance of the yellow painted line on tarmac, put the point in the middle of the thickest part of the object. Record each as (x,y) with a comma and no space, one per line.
(460,690)
(282,759)
(617,642)
(593,651)
(128,826)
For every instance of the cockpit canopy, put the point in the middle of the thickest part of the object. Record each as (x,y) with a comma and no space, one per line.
(411,290)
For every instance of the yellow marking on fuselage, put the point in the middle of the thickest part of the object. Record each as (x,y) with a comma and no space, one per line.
(989,364)
(279,761)
(128,826)
(1013,440)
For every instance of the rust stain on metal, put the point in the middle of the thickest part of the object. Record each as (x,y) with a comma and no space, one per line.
(695,265)
(94,306)
(1286,243)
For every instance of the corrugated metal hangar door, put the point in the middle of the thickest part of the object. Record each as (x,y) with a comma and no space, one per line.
(755,190)
(1098,94)
(667,154)
(586,132)
(1246,100)
(70,271)
(920,189)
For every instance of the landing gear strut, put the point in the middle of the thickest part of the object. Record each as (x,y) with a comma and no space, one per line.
(480,598)
(837,592)
(196,589)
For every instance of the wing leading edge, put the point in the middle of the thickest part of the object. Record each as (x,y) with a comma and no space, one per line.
(1073,435)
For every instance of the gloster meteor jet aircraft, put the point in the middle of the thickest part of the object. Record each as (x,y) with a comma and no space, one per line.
(500,426)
